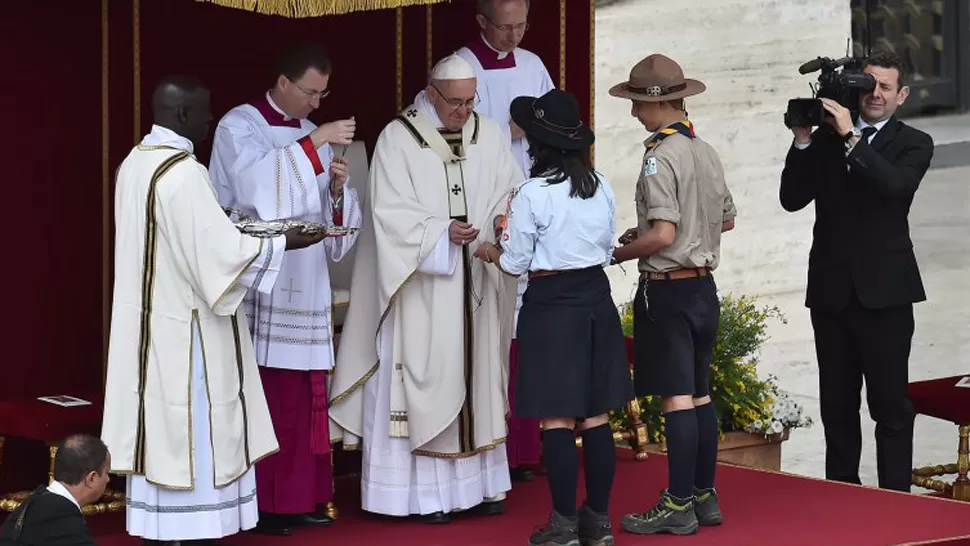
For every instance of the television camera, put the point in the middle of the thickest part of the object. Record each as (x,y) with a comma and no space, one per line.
(844,86)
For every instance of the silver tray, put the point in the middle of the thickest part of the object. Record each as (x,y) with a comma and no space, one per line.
(275,228)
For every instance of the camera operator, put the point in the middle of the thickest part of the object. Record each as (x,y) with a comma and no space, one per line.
(862,274)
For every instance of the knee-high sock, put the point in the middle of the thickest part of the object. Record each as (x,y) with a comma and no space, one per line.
(562,467)
(599,464)
(681,429)
(707,438)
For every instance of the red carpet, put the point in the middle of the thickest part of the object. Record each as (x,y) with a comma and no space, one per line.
(760,508)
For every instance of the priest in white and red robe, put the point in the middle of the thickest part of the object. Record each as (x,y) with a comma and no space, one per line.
(427,396)
(506,71)
(270,162)
(184,413)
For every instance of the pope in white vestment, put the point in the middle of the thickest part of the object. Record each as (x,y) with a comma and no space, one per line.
(184,413)
(265,165)
(421,370)
(506,71)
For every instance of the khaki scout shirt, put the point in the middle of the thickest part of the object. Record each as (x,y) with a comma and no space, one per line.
(682,182)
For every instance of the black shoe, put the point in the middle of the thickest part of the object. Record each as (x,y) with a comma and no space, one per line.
(273,525)
(594,529)
(560,531)
(670,515)
(436,518)
(494,508)
(706,507)
(313,520)
(522,474)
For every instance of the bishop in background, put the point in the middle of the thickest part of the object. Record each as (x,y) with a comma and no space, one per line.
(506,71)
(431,411)
(269,161)
(184,413)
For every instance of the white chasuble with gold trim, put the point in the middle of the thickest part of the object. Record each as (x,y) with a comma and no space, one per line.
(180,350)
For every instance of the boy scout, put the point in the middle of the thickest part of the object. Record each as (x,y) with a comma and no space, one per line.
(683,205)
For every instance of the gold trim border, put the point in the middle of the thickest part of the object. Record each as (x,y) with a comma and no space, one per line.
(562,44)
(399,52)
(317,8)
(105,196)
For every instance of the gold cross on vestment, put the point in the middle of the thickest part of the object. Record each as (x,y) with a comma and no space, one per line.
(290,291)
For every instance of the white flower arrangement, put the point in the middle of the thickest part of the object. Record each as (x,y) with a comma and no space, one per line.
(785,414)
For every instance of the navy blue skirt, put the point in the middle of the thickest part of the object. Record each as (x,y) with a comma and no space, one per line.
(572,357)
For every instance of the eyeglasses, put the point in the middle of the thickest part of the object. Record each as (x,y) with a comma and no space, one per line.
(457,103)
(521,27)
(311,94)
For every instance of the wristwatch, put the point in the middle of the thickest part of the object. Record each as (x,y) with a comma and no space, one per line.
(854,132)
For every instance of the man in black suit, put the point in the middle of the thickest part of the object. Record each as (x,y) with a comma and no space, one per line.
(52,516)
(862,274)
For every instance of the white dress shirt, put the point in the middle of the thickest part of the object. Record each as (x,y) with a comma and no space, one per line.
(549,230)
(58,488)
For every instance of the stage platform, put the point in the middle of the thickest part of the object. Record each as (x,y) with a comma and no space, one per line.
(760,508)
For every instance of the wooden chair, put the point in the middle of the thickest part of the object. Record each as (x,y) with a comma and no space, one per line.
(943,399)
(34,420)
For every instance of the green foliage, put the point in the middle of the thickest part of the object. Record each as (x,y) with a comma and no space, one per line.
(743,400)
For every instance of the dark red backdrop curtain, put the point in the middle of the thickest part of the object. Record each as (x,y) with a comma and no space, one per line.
(60,147)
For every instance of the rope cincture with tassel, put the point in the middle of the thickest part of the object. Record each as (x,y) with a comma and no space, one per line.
(299,9)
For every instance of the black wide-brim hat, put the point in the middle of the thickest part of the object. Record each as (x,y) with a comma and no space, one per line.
(552,119)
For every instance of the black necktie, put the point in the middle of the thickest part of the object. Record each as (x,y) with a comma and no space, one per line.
(867,132)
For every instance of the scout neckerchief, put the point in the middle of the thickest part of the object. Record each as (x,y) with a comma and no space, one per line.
(685,128)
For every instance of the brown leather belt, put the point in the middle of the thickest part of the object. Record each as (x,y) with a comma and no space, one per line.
(542,273)
(677,274)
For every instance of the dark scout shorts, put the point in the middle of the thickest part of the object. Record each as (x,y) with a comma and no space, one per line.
(674,325)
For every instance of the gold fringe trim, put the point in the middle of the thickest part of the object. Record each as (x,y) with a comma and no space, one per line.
(299,9)
(398,425)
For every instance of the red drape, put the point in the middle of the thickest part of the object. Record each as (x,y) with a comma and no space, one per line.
(55,161)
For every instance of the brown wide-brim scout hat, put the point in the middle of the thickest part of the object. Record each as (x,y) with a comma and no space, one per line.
(655,79)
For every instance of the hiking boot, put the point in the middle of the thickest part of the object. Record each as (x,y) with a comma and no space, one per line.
(706,508)
(594,528)
(670,515)
(560,531)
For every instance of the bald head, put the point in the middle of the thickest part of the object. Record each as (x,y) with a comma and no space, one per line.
(81,464)
(488,8)
(181,103)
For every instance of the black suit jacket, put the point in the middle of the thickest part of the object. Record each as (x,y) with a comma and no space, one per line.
(45,519)
(861,242)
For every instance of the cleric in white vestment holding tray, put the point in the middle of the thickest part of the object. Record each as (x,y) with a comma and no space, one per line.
(184,412)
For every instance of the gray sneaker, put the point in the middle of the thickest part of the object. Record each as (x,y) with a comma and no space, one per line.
(595,529)
(706,508)
(560,531)
(670,515)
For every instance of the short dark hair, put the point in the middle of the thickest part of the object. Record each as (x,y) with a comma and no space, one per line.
(487,7)
(77,456)
(888,59)
(295,61)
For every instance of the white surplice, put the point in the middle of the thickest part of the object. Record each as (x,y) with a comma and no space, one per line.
(261,165)
(503,76)
(408,407)
(205,420)
(500,80)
